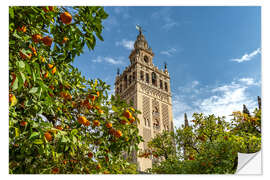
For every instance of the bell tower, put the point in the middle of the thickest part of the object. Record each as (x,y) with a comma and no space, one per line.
(149,89)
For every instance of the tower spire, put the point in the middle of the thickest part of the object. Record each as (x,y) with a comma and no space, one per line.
(186,120)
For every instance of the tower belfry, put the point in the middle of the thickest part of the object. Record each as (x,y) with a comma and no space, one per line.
(149,89)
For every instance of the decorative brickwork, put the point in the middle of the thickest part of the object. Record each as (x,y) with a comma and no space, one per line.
(165,117)
(146,111)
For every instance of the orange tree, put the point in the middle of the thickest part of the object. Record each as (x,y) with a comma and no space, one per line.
(208,146)
(59,122)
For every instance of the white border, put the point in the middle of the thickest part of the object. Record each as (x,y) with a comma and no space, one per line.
(265,74)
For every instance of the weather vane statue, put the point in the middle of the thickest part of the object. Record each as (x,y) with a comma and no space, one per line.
(139,28)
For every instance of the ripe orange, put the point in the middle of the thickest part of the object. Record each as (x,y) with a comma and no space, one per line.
(46,74)
(55,170)
(118,133)
(48,136)
(127,114)
(66,18)
(22,29)
(123,122)
(23,123)
(100,111)
(90,155)
(47,41)
(132,120)
(82,119)
(36,38)
(65,39)
(50,66)
(98,166)
(33,50)
(92,97)
(96,123)
(97,93)
(109,125)
(87,123)
(59,127)
(53,70)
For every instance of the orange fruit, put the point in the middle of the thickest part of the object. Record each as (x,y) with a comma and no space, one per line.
(50,66)
(23,123)
(53,70)
(96,123)
(48,136)
(55,170)
(90,155)
(132,120)
(82,119)
(98,166)
(33,50)
(22,29)
(87,123)
(47,41)
(123,122)
(118,133)
(127,114)
(65,39)
(36,38)
(92,97)
(59,127)
(97,93)
(66,18)
(46,74)
(109,125)
(51,8)
(100,111)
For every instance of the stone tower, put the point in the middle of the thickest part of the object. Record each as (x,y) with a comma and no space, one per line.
(149,89)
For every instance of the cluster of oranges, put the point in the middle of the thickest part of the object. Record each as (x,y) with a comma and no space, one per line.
(83,120)
(129,116)
(65,95)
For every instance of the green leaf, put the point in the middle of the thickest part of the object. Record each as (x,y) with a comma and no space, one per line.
(15,84)
(34,134)
(11,12)
(22,76)
(21,64)
(33,90)
(114,109)
(38,141)
(74,132)
(17,132)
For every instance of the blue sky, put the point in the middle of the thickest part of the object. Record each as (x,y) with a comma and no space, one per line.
(213,54)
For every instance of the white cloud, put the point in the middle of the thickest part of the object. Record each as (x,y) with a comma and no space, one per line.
(247,57)
(169,52)
(219,100)
(114,61)
(164,15)
(249,81)
(128,44)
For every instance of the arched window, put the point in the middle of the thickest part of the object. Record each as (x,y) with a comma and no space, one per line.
(146,60)
(166,86)
(147,77)
(154,78)
(141,74)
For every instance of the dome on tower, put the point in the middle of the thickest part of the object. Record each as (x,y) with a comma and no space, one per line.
(140,42)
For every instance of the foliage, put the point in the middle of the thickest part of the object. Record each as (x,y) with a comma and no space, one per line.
(209,145)
(59,122)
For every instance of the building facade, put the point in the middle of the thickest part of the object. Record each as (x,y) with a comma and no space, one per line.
(149,89)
